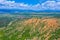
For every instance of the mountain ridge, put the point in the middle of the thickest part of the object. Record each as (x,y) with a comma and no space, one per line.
(18,10)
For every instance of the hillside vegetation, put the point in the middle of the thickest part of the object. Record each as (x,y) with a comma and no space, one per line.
(32,29)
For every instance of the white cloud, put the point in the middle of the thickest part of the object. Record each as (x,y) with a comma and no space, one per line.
(58,5)
(2,1)
(51,5)
(37,7)
(48,5)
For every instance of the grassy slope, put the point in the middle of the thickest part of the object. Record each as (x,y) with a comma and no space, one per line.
(33,29)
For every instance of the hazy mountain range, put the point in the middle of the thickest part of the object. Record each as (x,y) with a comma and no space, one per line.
(17,11)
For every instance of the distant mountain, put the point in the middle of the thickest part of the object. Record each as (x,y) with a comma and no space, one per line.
(17,11)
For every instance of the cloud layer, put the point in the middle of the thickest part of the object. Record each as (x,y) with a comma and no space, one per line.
(48,5)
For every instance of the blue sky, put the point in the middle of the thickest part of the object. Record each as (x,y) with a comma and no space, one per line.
(30,4)
(28,1)
(33,2)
